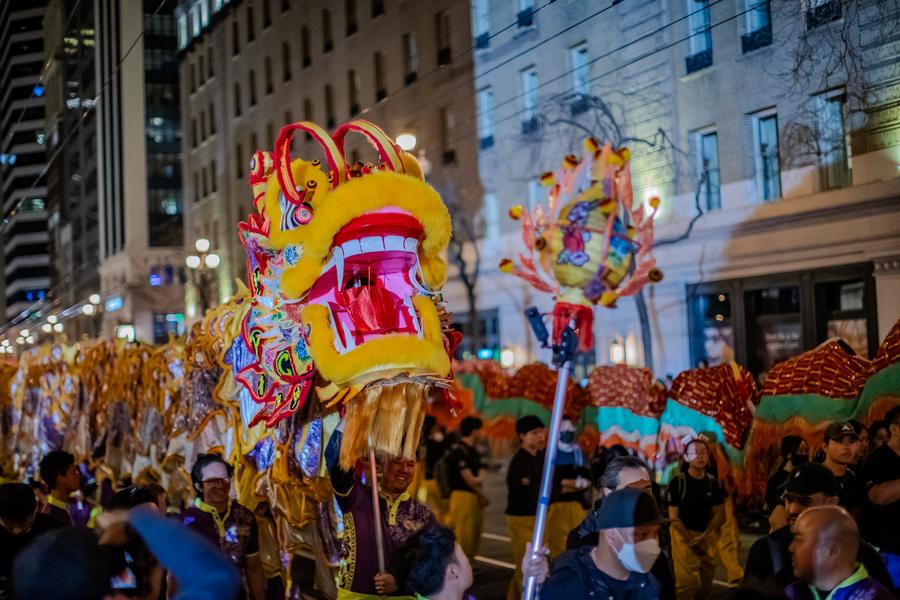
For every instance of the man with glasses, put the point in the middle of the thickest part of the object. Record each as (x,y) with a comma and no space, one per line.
(223,521)
(769,560)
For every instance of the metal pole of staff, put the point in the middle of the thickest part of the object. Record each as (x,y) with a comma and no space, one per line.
(562,358)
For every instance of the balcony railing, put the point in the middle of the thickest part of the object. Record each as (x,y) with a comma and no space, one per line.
(530,126)
(823,13)
(483,41)
(756,39)
(699,61)
(486,142)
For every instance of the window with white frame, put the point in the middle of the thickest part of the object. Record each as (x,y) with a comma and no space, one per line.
(195,21)
(526,5)
(578,57)
(698,24)
(182,31)
(766,159)
(833,144)
(485,102)
(410,56)
(708,154)
(481,15)
(529,81)
(759,15)
(204,13)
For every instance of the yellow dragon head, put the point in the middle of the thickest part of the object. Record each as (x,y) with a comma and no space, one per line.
(345,264)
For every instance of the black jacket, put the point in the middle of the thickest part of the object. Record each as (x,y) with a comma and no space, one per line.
(574,575)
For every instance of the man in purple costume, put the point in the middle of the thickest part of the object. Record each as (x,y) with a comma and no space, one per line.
(401,518)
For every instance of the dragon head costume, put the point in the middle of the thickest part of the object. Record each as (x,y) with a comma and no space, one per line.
(345,264)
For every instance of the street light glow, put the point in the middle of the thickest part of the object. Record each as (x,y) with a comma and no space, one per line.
(212,260)
(202,245)
(94,299)
(192,261)
(30,339)
(88,309)
(58,328)
(20,340)
(46,327)
(52,319)
(406,141)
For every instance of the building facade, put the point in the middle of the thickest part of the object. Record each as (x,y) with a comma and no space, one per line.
(71,139)
(250,67)
(776,163)
(139,170)
(23,158)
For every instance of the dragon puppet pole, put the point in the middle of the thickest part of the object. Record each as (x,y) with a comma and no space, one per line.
(376,507)
(562,358)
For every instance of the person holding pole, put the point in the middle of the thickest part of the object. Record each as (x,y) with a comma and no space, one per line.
(568,504)
(373,533)
(619,565)
(523,480)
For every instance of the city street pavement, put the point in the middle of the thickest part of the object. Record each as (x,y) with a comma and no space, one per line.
(493,566)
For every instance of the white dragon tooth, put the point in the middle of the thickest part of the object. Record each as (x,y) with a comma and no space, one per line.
(372,243)
(351,248)
(337,255)
(350,340)
(413,315)
(411,245)
(393,242)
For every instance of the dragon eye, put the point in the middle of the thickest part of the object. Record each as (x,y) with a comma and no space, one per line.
(303,213)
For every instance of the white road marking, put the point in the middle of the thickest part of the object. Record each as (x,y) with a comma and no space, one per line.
(494,536)
(495,563)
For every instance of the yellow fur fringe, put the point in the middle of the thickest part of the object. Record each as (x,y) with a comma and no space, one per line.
(390,415)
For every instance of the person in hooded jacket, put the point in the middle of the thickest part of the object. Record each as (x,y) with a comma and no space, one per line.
(619,565)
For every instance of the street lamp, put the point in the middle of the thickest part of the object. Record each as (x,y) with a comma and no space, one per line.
(406,141)
(47,327)
(200,266)
(52,319)
(58,328)
(88,309)
(94,299)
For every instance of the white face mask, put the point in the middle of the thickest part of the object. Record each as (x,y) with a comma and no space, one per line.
(638,557)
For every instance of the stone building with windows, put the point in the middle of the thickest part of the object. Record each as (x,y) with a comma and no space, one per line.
(773,144)
(248,67)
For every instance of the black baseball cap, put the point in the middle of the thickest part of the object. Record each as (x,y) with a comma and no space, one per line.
(810,478)
(528,423)
(838,430)
(627,507)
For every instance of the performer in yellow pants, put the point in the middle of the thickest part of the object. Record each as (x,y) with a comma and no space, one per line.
(520,531)
(562,518)
(728,546)
(467,520)
(568,504)
(694,567)
(430,494)
(523,486)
